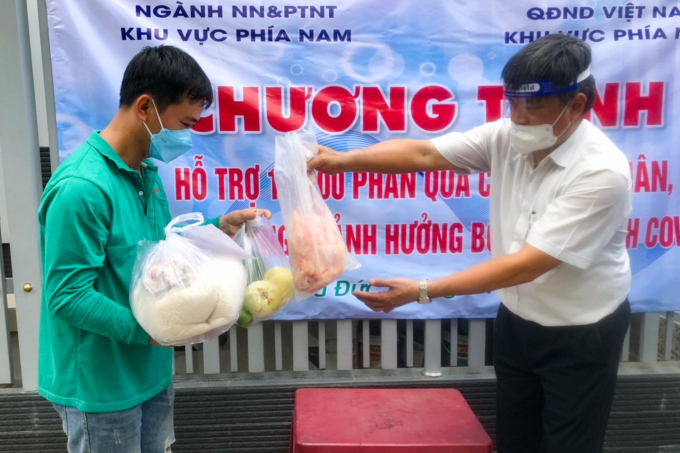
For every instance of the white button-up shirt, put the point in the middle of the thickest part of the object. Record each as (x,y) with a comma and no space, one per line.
(573,206)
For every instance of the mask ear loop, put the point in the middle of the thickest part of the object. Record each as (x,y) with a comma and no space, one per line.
(147,128)
(580,78)
(157,114)
(558,118)
(159,119)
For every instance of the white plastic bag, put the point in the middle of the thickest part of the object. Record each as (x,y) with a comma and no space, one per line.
(189,287)
(270,280)
(318,254)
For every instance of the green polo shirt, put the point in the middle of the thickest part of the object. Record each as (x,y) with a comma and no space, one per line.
(93,354)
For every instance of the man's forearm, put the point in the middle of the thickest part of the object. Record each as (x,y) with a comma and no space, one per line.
(89,310)
(395,156)
(502,272)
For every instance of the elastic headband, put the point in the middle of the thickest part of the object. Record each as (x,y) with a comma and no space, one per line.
(544,88)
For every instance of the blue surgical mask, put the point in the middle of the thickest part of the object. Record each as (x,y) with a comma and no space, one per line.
(168,145)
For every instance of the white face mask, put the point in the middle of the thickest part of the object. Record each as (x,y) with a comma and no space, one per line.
(528,139)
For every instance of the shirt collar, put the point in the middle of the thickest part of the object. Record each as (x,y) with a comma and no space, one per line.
(103,147)
(148,164)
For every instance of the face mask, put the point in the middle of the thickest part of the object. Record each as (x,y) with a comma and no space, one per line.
(527,139)
(168,145)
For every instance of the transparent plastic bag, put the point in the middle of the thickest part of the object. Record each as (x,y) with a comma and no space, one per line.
(318,254)
(270,280)
(189,287)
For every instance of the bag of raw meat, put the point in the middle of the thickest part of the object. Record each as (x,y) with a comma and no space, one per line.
(317,251)
(189,287)
(270,280)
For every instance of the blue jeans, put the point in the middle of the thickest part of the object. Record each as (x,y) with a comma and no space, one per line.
(147,428)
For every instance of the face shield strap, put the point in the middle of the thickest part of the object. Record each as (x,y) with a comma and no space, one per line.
(542,88)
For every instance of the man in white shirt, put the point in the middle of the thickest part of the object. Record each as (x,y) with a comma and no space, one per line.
(559,202)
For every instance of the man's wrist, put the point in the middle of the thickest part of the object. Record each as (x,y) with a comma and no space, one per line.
(345,161)
(226,226)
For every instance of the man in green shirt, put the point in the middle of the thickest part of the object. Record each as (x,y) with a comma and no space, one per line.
(109,381)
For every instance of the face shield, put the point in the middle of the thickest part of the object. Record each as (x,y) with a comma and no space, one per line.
(519,110)
(524,102)
(523,106)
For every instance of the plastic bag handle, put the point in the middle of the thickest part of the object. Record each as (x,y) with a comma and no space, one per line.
(184,218)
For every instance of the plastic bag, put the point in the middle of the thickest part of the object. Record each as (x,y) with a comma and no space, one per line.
(270,280)
(189,287)
(317,251)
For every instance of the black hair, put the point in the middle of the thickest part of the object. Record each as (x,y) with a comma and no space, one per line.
(168,75)
(556,57)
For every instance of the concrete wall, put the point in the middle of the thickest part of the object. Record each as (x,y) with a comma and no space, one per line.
(39,83)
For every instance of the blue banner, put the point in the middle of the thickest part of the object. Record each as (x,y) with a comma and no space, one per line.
(359,72)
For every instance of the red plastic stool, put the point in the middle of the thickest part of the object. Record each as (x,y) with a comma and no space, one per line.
(403,421)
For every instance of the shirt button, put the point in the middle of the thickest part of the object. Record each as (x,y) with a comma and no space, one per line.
(141,194)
